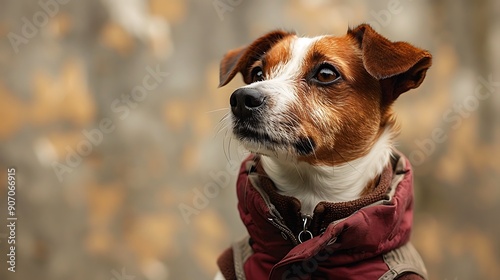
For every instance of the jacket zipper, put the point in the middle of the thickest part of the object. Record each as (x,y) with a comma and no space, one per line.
(275,219)
(305,234)
(278,224)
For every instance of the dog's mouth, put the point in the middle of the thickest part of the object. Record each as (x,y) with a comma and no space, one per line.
(263,141)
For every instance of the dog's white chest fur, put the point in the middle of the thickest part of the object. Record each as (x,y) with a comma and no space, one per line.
(313,184)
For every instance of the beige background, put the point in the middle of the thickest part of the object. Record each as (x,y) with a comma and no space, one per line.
(115,213)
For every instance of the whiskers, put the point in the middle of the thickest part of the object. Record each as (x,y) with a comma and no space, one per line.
(217,110)
(224,122)
(224,126)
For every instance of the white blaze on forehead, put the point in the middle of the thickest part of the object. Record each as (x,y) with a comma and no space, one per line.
(279,84)
(290,69)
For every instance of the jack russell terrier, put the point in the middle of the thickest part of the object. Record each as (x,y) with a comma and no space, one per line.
(324,194)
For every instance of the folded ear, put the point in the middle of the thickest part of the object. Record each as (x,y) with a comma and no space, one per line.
(241,59)
(398,66)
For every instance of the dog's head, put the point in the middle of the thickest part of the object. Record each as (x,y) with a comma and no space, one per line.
(322,100)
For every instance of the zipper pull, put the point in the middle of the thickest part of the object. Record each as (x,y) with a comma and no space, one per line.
(305,234)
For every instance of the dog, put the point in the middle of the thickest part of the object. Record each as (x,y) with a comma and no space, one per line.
(324,194)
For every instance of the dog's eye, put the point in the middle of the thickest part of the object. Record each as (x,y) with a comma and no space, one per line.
(326,74)
(257,74)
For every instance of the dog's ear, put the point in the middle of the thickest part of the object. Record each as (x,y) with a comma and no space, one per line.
(241,59)
(398,66)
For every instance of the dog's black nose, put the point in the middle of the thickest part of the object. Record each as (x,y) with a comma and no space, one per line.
(244,100)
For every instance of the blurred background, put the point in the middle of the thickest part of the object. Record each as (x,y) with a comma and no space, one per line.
(110,113)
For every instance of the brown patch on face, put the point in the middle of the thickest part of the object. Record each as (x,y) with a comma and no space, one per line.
(280,53)
(345,118)
(241,59)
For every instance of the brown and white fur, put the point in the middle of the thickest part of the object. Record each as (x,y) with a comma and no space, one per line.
(318,109)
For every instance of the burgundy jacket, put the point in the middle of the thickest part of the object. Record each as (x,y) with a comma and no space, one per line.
(367,238)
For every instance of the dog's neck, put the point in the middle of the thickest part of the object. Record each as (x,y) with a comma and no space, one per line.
(313,184)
